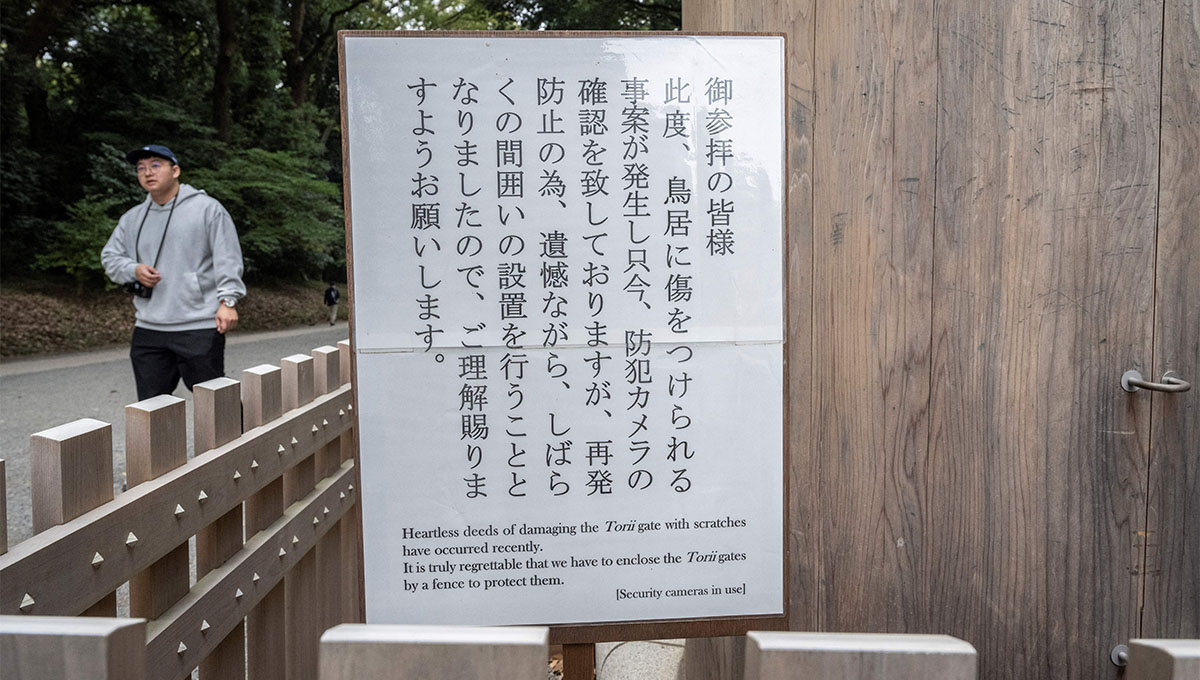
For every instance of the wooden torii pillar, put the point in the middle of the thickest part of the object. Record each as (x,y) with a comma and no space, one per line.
(725,657)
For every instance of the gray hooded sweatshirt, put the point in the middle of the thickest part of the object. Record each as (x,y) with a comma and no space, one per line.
(201,260)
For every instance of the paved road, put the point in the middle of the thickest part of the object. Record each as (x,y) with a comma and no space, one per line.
(37,394)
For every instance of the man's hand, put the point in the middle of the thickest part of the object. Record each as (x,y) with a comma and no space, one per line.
(226,319)
(146,275)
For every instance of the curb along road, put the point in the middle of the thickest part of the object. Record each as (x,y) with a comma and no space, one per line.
(23,365)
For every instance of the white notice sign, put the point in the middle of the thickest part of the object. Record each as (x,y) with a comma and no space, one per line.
(567,276)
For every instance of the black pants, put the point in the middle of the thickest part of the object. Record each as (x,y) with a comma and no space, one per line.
(161,358)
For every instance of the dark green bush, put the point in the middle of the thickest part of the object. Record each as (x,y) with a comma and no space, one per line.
(289,221)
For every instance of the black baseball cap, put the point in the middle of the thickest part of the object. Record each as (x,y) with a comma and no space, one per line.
(157,150)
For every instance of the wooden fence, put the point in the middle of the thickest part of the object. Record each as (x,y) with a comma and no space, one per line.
(270,498)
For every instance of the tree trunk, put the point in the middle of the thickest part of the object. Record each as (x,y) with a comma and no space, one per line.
(303,63)
(296,75)
(223,75)
(43,23)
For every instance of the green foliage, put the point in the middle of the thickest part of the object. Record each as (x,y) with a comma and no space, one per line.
(75,247)
(442,15)
(114,76)
(26,229)
(297,130)
(580,15)
(289,221)
(86,81)
(74,243)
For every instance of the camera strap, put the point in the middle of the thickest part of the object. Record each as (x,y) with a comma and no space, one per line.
(137,242)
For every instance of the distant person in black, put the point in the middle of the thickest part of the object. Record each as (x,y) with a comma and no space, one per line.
(331,301)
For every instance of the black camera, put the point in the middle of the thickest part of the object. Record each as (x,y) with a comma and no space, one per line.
(136,288)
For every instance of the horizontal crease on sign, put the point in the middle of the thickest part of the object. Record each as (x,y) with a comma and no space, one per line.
(528,348)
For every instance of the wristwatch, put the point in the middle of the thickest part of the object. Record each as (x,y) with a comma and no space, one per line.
(229,301)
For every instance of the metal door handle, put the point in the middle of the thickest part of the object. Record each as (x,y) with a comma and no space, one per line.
(1132,381)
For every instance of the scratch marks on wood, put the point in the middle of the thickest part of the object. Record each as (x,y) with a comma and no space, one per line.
(1047,23)
(994,299)
(839,228)
(1128,250)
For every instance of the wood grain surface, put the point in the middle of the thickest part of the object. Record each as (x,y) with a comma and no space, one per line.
(1043,294)
(262,402)
(218,421)
(298,371)
(298,374)
(706,656)
(71,471)
(327,368)
(353,604)
(1172,605)
(579,661)
(155,444)
(978,237)
(984,205)
(55,565)
(301,594)
(326,378)
(1163,660)
(470,653)
(57,648)
(857,656)
(71,467)
(874,165)
(266,646)
(230,592)
(262,395)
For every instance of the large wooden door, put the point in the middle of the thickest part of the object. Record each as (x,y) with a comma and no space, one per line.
(1044,259)
(1172,566)
(989,224)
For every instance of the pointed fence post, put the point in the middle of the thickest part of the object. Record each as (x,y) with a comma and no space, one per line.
(1163,660)
(155,444)
(352,651)
(303,601)
(72,473)
(67,648)
(857,656)
(297,391)
(352,602)
(262,402)
(326,379)
(218,421)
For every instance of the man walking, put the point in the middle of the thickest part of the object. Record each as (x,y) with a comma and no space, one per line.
(178,253)
(331,302)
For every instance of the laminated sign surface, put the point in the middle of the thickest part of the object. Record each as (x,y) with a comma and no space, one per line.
(568,301)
